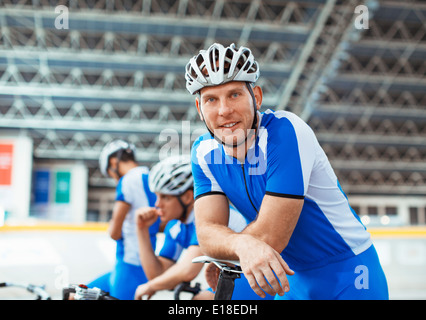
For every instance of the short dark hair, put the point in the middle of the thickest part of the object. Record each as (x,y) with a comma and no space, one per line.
(126,155)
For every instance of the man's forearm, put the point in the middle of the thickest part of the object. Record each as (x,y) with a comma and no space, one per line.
(150,262)
(183,270)
(256,231)
(170,278)
(164,282)
(215,237)
(224,244)
(275,230)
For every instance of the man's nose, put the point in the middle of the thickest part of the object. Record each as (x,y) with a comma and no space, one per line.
(225,108)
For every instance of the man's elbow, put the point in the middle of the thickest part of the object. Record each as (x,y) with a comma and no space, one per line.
(278,244)
(114,234)
(207,246)
(204,240)
(115,237)
(152,275)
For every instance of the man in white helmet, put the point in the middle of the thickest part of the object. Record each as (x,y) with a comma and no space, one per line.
(171,180)
(272,168)
(117,161)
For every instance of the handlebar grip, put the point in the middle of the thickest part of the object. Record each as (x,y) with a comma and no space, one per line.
(186,287)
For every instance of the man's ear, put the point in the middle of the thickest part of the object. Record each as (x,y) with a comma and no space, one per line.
(258,95)
(187,196)
(197,104)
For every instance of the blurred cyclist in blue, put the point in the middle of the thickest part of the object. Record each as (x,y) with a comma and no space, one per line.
(117,160)
(171,180)
(303,241)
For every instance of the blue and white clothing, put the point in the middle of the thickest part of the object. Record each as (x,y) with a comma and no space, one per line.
(128,274)
(133,189)
(286,160)
(179,235)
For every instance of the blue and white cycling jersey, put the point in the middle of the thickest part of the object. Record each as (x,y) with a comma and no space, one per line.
(133,189)
(128,274)
(286,160)
(179,235)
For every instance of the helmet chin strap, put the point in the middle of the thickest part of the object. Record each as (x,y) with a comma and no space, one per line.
(253,128)
(184,208)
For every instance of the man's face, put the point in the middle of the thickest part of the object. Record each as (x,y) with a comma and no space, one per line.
(228,111)
(112,169)
(168,207)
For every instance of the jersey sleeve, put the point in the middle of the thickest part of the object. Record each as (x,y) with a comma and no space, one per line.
(134,185)
(125,188)
(119,192)
(172,248)
(151,196)
(290,157)
(204,181)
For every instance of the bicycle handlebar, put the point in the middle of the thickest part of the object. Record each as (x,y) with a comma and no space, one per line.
(186,287)
(82,292)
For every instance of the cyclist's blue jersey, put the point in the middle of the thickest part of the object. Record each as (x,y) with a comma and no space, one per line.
(286,160)
(133,189)
(179,235)
(128,274)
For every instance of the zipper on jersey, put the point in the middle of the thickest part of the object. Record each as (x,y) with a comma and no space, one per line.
(245,184)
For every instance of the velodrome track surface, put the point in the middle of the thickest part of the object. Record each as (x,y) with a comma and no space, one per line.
(55,254)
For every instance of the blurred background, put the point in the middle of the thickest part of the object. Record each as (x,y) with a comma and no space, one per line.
(76,74)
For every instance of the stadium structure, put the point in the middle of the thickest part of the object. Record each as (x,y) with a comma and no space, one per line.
(76,74)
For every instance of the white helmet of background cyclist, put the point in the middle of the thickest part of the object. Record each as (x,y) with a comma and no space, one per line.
(171,176)
(111,148)
(218,65)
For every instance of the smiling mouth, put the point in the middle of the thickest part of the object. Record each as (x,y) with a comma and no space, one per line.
(229,125)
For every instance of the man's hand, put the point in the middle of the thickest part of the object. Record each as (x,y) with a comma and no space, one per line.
(257,247)
(264,268)
(145,217)
(212,275)
(144,290)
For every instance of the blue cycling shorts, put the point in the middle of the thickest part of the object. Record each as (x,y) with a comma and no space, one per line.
(358,278)
(123,281)
(243,291)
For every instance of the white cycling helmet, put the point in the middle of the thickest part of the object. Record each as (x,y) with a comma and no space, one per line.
(218,65)
(171,176)
(111,148)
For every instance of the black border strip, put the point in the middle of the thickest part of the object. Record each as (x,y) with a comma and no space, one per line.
(283,195)
(208,193)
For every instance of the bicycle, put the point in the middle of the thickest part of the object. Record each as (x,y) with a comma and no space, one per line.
(82,292)
(229,271)
(39,291)
(186,287)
